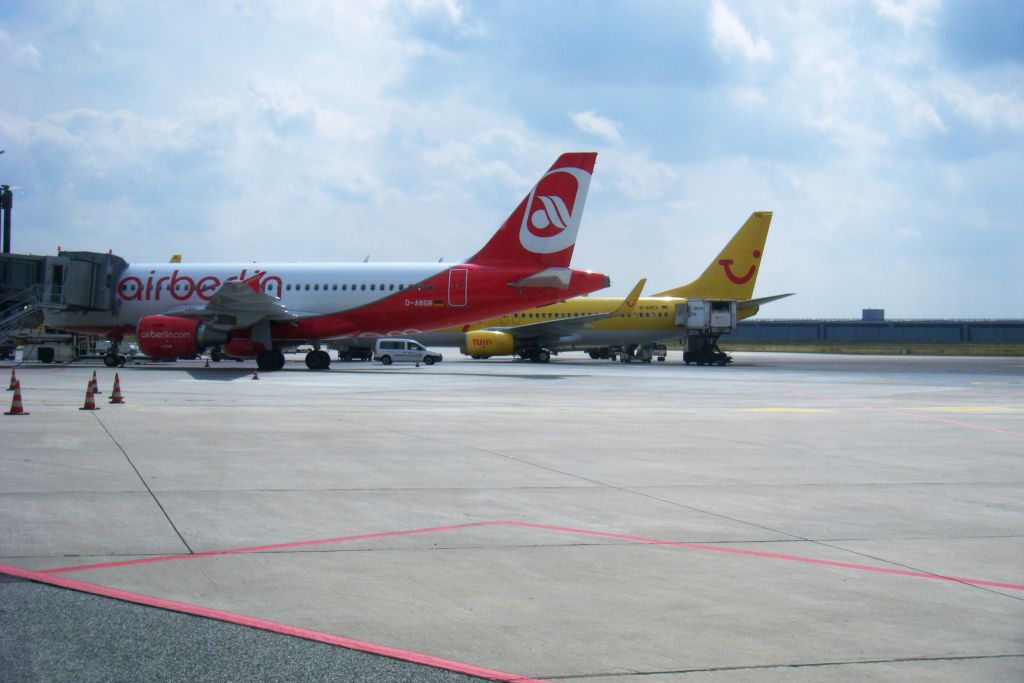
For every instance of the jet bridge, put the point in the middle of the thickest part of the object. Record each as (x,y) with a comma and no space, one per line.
(69,281)
(72,280)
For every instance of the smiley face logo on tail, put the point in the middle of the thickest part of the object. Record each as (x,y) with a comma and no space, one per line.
(726,264)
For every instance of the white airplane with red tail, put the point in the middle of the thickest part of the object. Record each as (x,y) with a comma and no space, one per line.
(255,310)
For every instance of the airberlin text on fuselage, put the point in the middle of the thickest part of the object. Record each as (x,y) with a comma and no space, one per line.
(182,287)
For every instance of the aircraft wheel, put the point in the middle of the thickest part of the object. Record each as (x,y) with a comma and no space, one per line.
(313,360)
(541,356)
(325,359)
(110,360)
(216,355)
(266,361)
(278,359)
(386,360)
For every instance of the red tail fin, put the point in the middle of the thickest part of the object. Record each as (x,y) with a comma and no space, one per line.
(542,230)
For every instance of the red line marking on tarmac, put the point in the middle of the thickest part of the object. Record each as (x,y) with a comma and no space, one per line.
(263,624)
(772,556)
(559,529)
(263,548)
(903,413)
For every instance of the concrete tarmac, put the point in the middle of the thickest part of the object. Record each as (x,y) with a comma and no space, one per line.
(791,517)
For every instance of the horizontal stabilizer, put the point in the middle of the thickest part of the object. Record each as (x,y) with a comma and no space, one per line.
(752,303)
(549,277)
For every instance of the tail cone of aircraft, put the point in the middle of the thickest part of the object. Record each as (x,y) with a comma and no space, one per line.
(90,398)
(16,407)
(115,395)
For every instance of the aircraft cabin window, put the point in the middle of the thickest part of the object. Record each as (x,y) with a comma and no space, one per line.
(307,288)
(362,287)
(334,287)
(373,287)
(316,288)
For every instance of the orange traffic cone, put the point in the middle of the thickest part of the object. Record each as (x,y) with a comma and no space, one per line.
(90,399)
(16,408)
(95,385)
(115,395)
(14,382)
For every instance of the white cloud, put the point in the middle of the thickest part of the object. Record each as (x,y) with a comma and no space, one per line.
(729,36)
(20,53)
(908,14)
(908,232)
(992,110)
(589,122)
(399,129)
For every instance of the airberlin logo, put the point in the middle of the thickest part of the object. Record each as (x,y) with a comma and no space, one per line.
(726,264)
(165,334)
(553,211)
(182,287)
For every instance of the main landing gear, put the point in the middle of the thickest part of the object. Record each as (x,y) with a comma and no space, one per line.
(318,360)
(268,360)
(534,355)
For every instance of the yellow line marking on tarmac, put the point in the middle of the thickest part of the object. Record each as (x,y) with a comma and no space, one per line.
(788,410)
(966,409)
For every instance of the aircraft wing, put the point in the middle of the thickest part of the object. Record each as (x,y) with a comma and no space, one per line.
(237,305)
(560,327)
(754,303)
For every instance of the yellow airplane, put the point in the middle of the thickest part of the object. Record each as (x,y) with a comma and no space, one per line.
(633,328)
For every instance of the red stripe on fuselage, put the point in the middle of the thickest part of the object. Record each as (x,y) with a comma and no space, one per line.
(414,310)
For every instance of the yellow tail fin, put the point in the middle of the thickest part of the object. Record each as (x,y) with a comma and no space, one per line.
(733,272)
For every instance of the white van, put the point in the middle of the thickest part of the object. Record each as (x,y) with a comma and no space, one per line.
(389,350)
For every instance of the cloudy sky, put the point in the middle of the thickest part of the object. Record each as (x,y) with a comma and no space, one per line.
(887,136)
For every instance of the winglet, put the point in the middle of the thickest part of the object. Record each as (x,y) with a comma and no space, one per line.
(629,303)
(253,282)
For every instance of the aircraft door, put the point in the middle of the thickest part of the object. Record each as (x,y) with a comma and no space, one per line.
(458,287)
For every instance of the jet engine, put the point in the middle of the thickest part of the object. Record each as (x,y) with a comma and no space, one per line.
(164,336)
(484,343)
